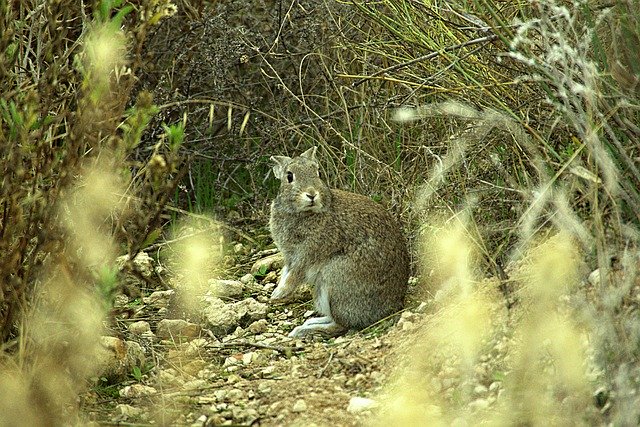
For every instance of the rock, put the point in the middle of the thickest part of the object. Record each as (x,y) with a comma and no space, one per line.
(250,310)
(247,358)
(226,288)
(247,279)
(594,277)
(142,263)
(137,390)
(168,377)
(271,277)
(422,308)
(359,404)
(174,328)
(259,326)
(238,248)
(196,384)
(480,389)
(119,357)
(264,388)
(127,411)
(299,406)
(479,404)
(140,327)
(235,395)
(159,299)
(270,263)
(195,347)
(268,371)
(221,318)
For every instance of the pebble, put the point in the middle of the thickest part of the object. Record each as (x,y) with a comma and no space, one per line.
(140,327)
(480,389)
(479,404)
(226,288)
(159,299)
(127,411)
(137,390)
(259,326)
(247,279)
(299,406)
(360,404)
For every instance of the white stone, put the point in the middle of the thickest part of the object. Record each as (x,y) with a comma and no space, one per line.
(137,390)
(299,406)
(127,411)
(359,404)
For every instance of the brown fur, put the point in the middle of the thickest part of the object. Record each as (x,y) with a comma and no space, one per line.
(344,244)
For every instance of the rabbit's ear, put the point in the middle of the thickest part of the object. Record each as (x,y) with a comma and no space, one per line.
(279,163)
(310,154)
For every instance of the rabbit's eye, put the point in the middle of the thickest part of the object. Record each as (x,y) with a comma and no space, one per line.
(289,177)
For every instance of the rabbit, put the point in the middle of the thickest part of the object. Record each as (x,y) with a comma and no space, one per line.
(348,247)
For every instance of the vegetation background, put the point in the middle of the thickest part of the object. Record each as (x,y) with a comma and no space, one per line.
(516,120)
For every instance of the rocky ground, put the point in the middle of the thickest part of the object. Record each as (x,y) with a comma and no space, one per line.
(233,364)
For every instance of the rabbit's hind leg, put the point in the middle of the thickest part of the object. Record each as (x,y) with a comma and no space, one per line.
(318,325)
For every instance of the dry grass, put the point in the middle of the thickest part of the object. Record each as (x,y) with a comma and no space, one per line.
(509,122)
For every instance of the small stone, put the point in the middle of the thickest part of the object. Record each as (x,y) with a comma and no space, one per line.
(221,318)
(268,372)
(127,411)
(238,248)
(226,288)
(168,377)
(259,326)
(140,327)
(360,404)
(594,277)
(494,386)
(196,347)
(422,308)
(299,406)
(174,328)
(247,279)
(480,389)
(142,262)
(272,262)
(247,358)
(264,388)
(119,357)
(137,390)
(196,385)
(235,395)
(407,326)
(250,310)
(479,404)
(159,299)
(232,379)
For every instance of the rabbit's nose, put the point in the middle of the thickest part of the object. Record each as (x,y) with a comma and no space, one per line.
(311,196)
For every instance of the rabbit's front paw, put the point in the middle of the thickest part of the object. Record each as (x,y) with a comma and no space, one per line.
(285,287)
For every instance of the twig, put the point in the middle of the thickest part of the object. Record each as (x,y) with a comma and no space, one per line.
(426,57)
(285,350)
(322,371)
